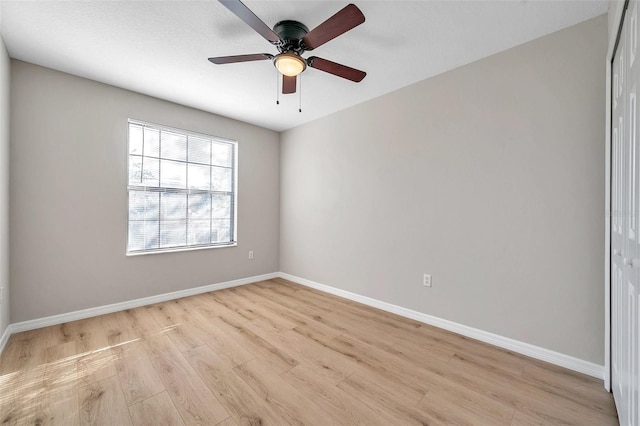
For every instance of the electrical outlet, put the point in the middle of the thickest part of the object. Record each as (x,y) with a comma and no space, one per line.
(426,281)
(251,254)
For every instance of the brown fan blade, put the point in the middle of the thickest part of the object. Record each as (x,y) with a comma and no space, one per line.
(288,84)
(244,13)
(240,58)
(347,18)
(336,69)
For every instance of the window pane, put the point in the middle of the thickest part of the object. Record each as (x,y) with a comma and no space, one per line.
(221,231)
(174,206)
(135,139)
(199,231)
(150,172)
(173,146)
(151,234)
(144,205)
(199,176)
(136,235)
(173,233)
(143,235)
(143,171)
(135,170)
(199,206)
(220,179)
(151,142)
(173,174)
(221,153)
(221,206)
(199,150)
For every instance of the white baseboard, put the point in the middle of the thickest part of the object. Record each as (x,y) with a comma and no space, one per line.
(130,304)
(533,351)
(5,337)
(523,348)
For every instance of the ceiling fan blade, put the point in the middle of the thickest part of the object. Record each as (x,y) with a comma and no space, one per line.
(244,13)
(336,69)
(347,18)
(288,84)
(240,58)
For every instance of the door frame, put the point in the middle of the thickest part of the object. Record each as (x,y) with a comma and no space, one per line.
(616,14)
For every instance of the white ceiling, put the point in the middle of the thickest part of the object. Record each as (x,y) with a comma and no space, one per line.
(160,48)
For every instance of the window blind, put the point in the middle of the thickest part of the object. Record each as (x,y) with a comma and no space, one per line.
(181,189)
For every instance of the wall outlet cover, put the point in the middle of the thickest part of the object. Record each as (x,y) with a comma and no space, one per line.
(426,280)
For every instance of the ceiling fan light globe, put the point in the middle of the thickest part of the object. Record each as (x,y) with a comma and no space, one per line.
(290,64)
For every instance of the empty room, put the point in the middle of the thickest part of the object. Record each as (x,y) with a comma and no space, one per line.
(225,212)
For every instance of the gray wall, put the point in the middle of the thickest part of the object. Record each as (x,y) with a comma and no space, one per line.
(69,197)
(4,186)
(490,177)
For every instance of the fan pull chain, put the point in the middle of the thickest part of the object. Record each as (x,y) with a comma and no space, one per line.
(277,88)
(299,92)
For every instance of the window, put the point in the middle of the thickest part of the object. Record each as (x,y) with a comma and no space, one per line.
(182,190)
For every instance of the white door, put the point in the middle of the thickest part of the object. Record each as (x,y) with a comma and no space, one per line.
(625,237)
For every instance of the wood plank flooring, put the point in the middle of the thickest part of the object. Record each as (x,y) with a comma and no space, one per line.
(276,353)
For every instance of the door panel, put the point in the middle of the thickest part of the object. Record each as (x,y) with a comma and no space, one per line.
(625,222)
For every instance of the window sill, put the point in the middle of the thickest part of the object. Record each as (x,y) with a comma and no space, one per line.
(180,249)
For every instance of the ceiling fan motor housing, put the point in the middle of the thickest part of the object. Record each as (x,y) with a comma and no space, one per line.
(291,34)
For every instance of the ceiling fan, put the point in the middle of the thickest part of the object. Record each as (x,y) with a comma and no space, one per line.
(292,39)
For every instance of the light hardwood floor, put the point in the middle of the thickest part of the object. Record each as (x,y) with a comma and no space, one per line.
(278,353)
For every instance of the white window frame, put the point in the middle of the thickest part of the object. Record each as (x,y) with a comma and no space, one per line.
(234,190)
